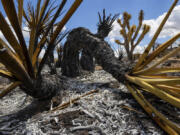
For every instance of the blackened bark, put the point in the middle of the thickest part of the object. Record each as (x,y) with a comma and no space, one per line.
(59,60)
(130,56)
(44,88)
(51,57)
(104,26)
(87,60)
(51,63)
(58,63)
(70,62)
(81,38)
(13,119)
(52,68)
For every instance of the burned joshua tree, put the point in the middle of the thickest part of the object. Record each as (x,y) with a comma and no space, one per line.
(50,60)
(87,58)
(21,62)
(144,76)
(104,27)
(59,51)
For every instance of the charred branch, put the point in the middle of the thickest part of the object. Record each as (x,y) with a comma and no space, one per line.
(81,38)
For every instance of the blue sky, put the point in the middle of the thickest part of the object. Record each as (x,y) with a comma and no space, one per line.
(86,15)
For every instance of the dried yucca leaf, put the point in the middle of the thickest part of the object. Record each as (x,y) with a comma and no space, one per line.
(60,25)
(154,90)
(161,120)
(161,48)
(159,71)
(146,52)
(14,66)
(9,89)
(161,60)
(20,11)
(10,10)
(44,38)
(6,74)
(10,37)
(174,91)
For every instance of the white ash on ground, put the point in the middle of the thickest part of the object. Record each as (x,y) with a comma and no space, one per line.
(103,113)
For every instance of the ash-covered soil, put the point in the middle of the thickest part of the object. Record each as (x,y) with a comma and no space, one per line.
(110,111)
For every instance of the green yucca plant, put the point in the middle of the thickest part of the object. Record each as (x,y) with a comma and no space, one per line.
(156,80)
(21,63)
(130,33)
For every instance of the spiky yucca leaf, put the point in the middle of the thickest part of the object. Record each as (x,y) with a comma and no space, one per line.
(57,31)
(158,81)
(158,71)
(105,24)
(146,52)
(10,37)
(14,66)
(161,48)
(161,120)
(37,22)
(9,88)
(20,66)
(154,90)
(44,39)
(161,60)
(173,90)
(10,10)
(20,11)
(6,74)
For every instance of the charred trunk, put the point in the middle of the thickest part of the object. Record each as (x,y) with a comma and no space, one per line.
(82,38)
(87,60)
(52,68)
(44,88)
(70,63)
(59,60)
(130,56)
(51,63)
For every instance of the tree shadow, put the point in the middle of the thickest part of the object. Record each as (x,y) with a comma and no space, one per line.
(10,122)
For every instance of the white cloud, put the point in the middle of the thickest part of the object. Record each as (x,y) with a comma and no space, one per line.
(171,27)
(26,35)
(25,32)
(7,20)
(119,50)
(1,35)
(114,34)
(42,53)
(64,28)
(139,49)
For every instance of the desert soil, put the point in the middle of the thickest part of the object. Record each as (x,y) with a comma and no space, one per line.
(110,111)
